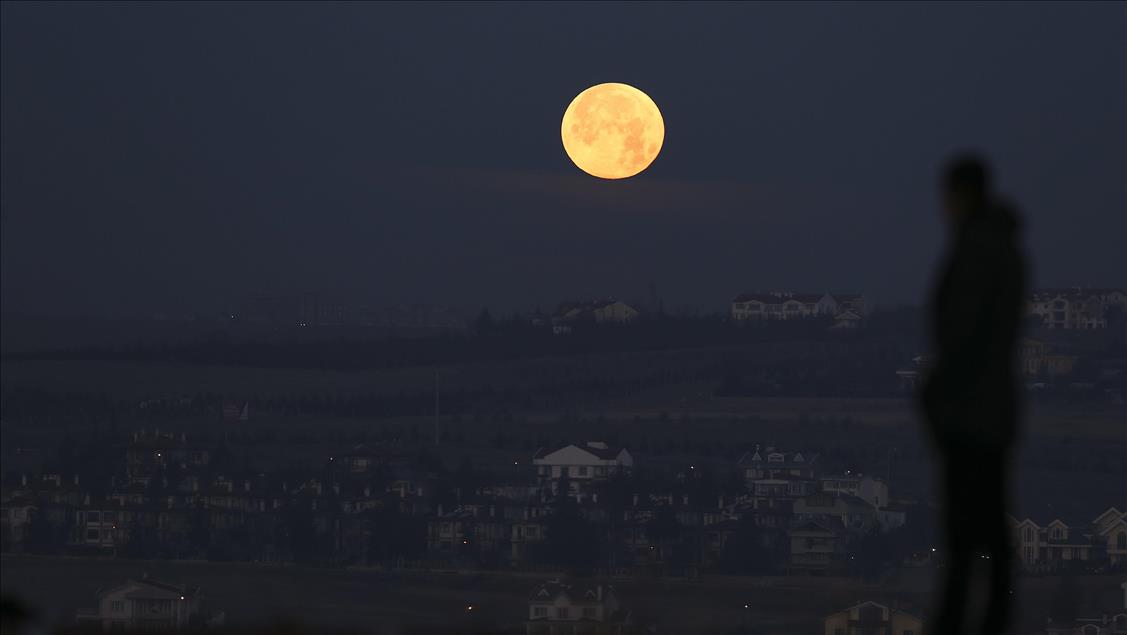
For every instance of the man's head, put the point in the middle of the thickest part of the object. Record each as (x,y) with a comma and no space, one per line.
(966,187)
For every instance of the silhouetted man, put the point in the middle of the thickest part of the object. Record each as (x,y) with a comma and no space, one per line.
(970,399)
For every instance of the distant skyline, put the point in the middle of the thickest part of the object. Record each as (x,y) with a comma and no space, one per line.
(188,157)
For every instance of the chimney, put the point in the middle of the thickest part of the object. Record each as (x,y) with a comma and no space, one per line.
(336,488)
(439,510)
(635,500)
(367,491)
(684,499)
(246,486)
(594,498)
(23,480)
(76,479)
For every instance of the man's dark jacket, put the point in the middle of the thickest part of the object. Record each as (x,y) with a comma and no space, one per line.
(970,398)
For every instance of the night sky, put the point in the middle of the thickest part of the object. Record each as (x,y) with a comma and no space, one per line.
(187,157)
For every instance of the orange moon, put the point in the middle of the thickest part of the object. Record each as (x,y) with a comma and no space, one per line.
(612,131)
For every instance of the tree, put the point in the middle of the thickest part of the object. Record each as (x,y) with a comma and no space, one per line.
(484,324)
(41,535)
(872,554)
(666,532)
(744,554)
(571,540)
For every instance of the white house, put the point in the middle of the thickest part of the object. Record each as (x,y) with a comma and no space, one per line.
(1055,542)
(847,308)
(149,605)
(781,305)
(1075,308)
(582,465)
(556,608)
(771,463)
(599,311)
(873,491)
(1110,529)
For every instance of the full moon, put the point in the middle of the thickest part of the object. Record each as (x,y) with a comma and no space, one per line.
(612,131)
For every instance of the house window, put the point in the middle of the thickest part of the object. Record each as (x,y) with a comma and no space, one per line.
(540,611)
(1028,534)
(562,613)
(582,471)
(839,631)
(1121,541)
(589,612)
(92,534)
(94,517)
(600,471)
(117,606)
(909,631)
(532,532)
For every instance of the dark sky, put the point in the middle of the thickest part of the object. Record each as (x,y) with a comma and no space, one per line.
(189,156)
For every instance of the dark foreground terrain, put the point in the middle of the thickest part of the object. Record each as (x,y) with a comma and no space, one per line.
(392,602)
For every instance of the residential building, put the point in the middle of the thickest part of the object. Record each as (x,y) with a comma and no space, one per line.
(1110,532)
(1037,359)
(873,491)
(771,463)
(1111,619)
(1075,308)
(1054,542)
(817,546)
(149,605)
(843,510)
(872,618)
(581,465)
(846,308)
(557,608)
(15,518)
(599,311)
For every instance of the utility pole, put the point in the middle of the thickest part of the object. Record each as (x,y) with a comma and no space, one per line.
(891,451)
(436,434)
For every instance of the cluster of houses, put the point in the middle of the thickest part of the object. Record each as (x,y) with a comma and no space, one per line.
(847,310)
(167,499)
(1050,542)
(147,604)
(1075,308)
